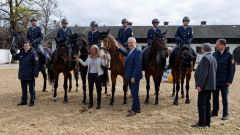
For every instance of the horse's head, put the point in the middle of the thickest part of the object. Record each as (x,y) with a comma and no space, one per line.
(80,43)
(186,55)
(17,40)
(108,41)
(159,45)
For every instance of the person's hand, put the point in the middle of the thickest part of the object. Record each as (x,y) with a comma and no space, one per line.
(35,77)
(132,80)
(229,83)
(104,56)
(199,89)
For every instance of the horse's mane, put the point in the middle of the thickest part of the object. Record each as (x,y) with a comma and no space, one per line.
(114,41)
(155,48)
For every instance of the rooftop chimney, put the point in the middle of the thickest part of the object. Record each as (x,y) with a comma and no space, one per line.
(165,23)
(203,23)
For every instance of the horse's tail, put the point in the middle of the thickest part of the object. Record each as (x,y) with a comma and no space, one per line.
(50,70)
(105,76)
(50,74)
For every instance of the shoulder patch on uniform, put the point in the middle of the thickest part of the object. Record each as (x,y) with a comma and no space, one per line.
(36,58)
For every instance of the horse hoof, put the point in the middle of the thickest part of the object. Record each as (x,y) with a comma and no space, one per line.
(124,103)
(84,102)
(173,94)
(156,103)
(146,102)
(111,103)
(76,89)
(54,99)
(175,103)
(182,96)
(65,101)
(187,102)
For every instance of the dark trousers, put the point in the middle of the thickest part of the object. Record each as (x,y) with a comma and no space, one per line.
(224,92)
(94,78)
(134,88)
(204,107)
(31,85)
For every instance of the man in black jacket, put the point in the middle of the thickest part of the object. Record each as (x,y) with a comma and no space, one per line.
(205,79)
(225,73)
(28,72)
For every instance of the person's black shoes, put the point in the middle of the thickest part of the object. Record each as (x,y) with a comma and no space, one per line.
(213,114)
(198,125)
(224,118)
(21,104)
(98,107)
(31,104)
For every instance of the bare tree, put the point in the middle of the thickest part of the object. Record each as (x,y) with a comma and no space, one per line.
(46,9)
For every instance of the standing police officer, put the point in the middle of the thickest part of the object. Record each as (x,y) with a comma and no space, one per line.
(94,34)
(64,34)
(35,36)
(27,73)
(225,73)
(153,31)
(184,36)
(124,33)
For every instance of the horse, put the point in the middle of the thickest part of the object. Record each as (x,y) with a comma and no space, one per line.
(79,38)
(117,62)
(17,44)
(182,68)
(154,61)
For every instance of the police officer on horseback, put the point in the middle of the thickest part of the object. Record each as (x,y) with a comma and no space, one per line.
(153,31)
(64,34)
(124,33)
(35,37)
(184,36)
(94,34)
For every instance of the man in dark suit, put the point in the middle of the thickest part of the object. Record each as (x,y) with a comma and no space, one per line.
(133,72)
(205,79)
(225,74)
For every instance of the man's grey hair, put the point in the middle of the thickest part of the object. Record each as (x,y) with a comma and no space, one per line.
(207,47)
(132,39)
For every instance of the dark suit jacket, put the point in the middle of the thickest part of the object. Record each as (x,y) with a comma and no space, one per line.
(133,64)
(205,75)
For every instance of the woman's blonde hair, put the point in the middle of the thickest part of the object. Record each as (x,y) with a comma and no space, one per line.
(98,50)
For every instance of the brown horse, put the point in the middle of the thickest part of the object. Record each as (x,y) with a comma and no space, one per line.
(60,60)
(182,68)
(117,62)
(154,61)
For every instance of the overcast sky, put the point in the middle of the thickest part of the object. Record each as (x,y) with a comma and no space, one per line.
(141,12)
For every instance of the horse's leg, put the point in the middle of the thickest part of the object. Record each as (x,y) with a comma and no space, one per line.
(83,76)
(70,82)
(113,78)
(182,84)
(125,85)
(188,77)
(157,85)
(147,76)
(67,75)
(45,80)
(56,76)
(174,84)
(177,89)
(76,78)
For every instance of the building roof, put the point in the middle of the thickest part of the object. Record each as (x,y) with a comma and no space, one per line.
(199,31)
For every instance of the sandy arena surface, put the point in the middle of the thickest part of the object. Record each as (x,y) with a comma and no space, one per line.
(54,118)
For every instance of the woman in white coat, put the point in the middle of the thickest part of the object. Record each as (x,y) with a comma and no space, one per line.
(94,63)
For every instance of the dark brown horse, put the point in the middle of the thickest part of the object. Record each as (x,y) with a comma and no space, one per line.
(154,61)
(182,68)
(117,62)
(60,60)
